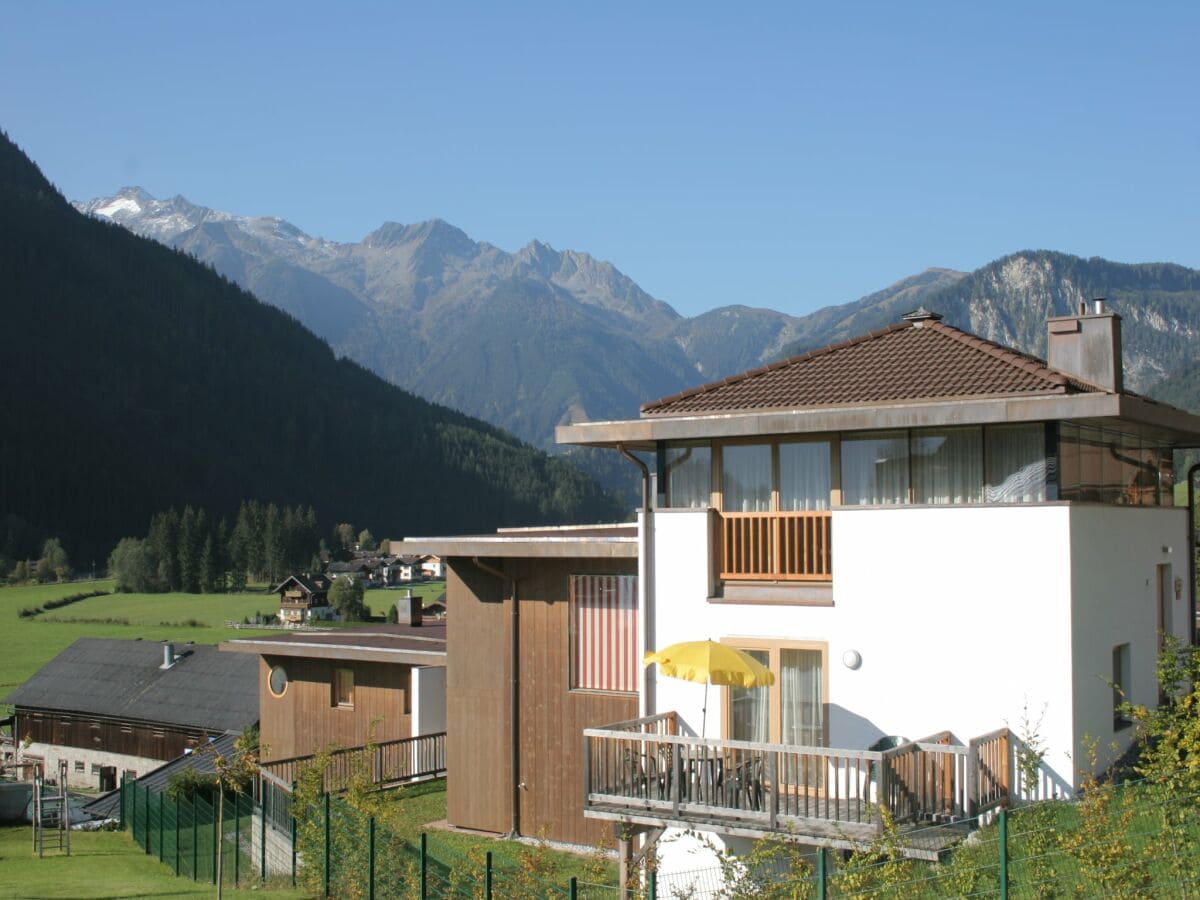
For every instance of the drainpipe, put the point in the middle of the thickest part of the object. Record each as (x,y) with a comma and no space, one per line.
(646,702)
(514,647)
(1191,481)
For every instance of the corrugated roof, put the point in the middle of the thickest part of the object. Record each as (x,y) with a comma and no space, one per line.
(122,679)
(924,360)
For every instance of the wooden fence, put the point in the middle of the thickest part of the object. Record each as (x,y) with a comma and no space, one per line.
(406,759)
(778,546)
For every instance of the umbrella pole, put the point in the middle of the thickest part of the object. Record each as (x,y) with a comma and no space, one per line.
(704,712)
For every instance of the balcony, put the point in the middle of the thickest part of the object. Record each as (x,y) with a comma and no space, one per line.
(644,772)
(775,546)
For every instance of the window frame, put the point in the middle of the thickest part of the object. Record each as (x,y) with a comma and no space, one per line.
(336,688)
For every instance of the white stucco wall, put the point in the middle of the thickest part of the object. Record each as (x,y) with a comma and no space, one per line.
(964,617)
(50,754)
(428,700)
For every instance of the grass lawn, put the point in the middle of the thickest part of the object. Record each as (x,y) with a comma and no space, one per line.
(102,864)
(380,600)
(29,643)
(409,810)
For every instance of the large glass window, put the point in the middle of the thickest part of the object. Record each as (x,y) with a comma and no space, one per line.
(947,465)
(1016,464)
(875,469)
(1107,466)
(746,477)
(750,708)
(689,476)
(804,477)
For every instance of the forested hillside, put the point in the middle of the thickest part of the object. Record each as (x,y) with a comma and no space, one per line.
(137,378)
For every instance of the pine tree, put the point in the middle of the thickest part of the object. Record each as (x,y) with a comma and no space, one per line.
(163,538)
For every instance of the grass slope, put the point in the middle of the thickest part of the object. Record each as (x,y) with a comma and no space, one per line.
(102,865)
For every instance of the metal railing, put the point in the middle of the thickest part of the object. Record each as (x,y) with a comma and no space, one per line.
(775,546)
(405,759)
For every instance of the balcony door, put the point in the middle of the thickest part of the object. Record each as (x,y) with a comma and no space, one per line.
(792,711)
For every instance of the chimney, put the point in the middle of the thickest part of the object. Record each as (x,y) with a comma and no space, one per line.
(408,610)
(1087,346)
(168,655)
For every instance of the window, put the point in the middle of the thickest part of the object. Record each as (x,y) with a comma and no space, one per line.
(130,775)
(805,480)
(1016,464)
(875,469)
(79,767)
(791,712)
(947,465)
(95,768)
(746,477)
(603,637)
(1105,466)
(1120,685)
(278,681)
(788,476)
(343,688)
(688,470)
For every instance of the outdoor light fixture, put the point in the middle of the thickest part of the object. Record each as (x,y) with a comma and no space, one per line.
(852,659)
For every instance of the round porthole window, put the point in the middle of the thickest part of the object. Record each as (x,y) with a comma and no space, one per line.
(278,681)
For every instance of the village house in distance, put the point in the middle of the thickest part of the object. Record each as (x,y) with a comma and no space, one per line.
(927,537)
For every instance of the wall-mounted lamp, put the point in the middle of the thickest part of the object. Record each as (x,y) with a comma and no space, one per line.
(852,659)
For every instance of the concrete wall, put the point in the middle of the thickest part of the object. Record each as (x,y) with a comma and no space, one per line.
(50,754)
(428,700)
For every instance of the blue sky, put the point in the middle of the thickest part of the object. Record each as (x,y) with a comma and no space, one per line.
(788,156)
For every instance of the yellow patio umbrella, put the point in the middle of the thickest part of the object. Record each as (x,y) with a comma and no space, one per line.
(711,663)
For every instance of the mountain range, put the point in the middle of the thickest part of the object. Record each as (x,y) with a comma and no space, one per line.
(139,379)
(531,339)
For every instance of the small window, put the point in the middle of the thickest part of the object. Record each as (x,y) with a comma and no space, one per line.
(130,775)
(95,768)
(343,688)
(79,767)
(1120,685)
(278,681)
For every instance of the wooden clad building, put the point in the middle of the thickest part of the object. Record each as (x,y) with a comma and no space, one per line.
(129,706)
(528,585)
(319,690)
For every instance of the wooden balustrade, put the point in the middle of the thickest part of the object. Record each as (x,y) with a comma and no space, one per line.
(405,759)
(776,546)
(645,770)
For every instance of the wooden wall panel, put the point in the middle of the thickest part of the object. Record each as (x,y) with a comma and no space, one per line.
(478,728)
(109,735)
(305,720)
(551,716)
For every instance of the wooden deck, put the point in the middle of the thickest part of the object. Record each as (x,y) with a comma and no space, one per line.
(644,772)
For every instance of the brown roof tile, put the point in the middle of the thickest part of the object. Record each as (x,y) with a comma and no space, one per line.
(923,360)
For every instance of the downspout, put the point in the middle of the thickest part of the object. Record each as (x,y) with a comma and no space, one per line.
(1191,480)
(514,822)
(646,701)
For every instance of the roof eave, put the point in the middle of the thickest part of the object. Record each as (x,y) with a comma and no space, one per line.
(525,547)
(1173,425)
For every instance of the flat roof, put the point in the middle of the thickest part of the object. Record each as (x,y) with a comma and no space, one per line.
(423,645)
(615,541)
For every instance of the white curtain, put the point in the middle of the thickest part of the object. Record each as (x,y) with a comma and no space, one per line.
(804,476)
(1017,464)
(750,708)
(875,469)
(948,466)
(800,686)
(689,476)
(746,484)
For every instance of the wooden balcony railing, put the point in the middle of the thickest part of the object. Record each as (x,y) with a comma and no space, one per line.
(406,759)
(776,546)
(642,771)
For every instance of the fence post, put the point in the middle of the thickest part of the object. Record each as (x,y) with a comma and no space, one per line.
(424,866)
(653,886)
(573,888)
(162,831)
(262,837)
(371,858)
(822,873)
(293,851)
(216,842)
(1003,854)
(195,842)
(326,843)
(237,835)
(121,820)
(177,835)
(146,806)
(487,876)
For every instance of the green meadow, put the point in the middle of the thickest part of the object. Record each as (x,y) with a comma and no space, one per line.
(26,644)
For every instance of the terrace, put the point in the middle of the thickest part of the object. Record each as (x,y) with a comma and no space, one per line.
(648,772)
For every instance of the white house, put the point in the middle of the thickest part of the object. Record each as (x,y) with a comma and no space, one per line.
(936,543)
